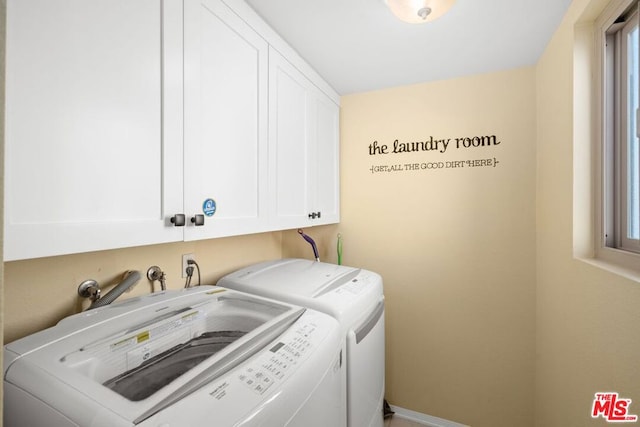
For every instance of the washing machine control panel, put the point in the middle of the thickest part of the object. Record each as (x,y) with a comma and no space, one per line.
(279,361)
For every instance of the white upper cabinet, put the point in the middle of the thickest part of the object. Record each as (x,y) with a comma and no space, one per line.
(122,115)
(226,89)
(93,125)
(304,149)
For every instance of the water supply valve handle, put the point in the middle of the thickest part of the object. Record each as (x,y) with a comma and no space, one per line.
(198,220)
(89,289)
(178,220)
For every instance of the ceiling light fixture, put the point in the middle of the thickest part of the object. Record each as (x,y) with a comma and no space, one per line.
(419,11)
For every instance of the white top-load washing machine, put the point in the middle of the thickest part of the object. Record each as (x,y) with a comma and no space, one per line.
(204,356)
(355,298)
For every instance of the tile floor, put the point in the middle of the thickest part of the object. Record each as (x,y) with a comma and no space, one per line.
(400,422)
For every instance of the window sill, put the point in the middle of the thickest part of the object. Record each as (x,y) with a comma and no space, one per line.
(615,261)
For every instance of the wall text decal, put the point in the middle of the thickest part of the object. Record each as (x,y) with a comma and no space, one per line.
(403,167)
(436,146)
(432,144)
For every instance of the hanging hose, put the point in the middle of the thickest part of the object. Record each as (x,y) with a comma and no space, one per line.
(126,284)
(311,242)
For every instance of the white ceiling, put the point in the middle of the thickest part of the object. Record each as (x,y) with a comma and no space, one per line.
(359,45)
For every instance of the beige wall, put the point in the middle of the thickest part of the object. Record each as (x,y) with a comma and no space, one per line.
(455,246)
(587,318)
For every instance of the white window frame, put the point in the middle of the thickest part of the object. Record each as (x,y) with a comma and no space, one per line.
(621,158)
(611,243)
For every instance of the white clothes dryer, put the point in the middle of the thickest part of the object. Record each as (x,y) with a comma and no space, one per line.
(352,296)
(198,357)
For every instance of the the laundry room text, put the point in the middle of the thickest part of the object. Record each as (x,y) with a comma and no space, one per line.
(433,144)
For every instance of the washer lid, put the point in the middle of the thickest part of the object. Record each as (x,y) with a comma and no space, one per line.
(301,277)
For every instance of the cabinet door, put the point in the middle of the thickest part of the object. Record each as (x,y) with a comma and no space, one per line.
(288,144)
(91,148)
(303,138)
(225,122)
(326,143)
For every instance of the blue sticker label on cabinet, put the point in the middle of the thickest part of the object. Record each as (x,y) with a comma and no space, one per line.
(209,207)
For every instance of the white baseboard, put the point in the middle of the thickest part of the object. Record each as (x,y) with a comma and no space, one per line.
(424,419)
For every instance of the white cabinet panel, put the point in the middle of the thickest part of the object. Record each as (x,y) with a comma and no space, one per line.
(303,145)
(288,136)
(327,151)
(225,121)
(86,157)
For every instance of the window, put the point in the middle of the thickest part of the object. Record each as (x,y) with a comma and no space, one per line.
(620,87)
